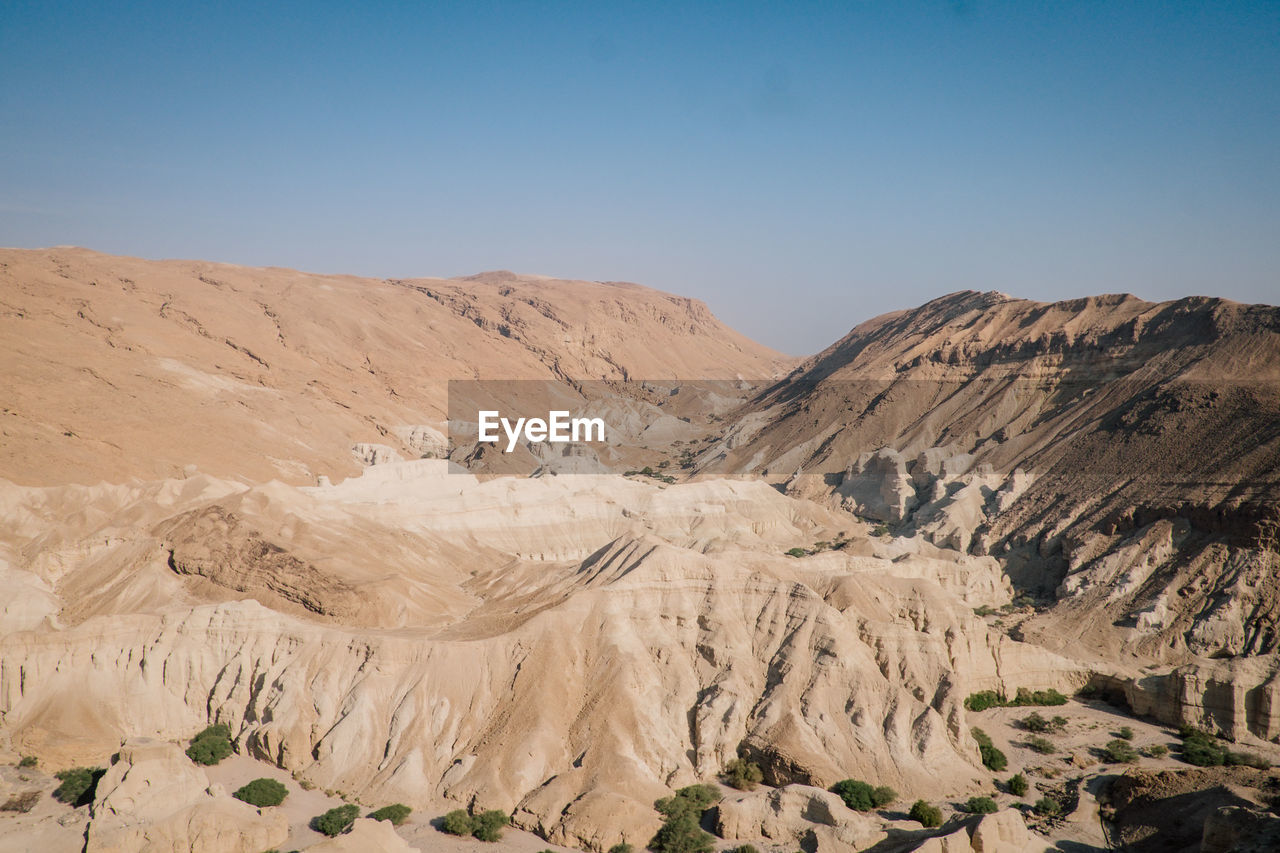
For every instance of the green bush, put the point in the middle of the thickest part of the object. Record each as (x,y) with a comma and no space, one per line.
(1120,752)
(681,834)
(624,847)
(882,796)
(992,758)
(856,794)
(991,699)
(743,775)
(211,745)
(796,552)
(689,801)
(28,761)
(78,785)
(336,821)
(489,824)
(457,822)
(1042,745)
(1047,807)
(1201,748)
(1018,785)
(981,805)
(396,813)
(927,815)
(983,700)
(262,792)
(1247,759)
(743,848)
(1156,750)
(1125,733)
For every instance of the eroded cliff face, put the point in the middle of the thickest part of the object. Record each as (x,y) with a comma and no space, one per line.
(571,692)
(570,648)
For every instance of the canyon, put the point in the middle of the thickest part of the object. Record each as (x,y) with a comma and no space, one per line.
(232,495)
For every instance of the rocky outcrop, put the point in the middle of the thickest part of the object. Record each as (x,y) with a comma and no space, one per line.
(796,815)
(154,800)
(365,836)
(1002,832)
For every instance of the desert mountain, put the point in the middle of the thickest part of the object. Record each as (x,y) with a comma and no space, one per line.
(120,367)
(981,494)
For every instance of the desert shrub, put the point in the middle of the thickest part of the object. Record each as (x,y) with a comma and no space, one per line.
(981,805)
(983,700)
(1156,750)
(690,801)
(681,834)
(882,795)
(1120,752)
(396,813)
(1044,698)
(743,848)
(857,795)
(984,610)
(623,847)
(1201,748)
(21,803)
(743,775)
(336,821)
(1125,733)
(1042,745)
(28,761)
(1033,722)
(927,815)
(992,758)
(262,792)
(1247,759)
(796,552)
(1018,785)
(78,785)
(489,824)
(457,822)
(211,745)
(880,530)
(1047,807)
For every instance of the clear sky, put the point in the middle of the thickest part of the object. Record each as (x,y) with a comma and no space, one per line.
(799,166)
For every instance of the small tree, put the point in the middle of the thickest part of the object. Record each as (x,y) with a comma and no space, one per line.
(262,793)
(79,784)
(211,745)
(743,775)
(992,758)
(681,835)
(856,794)
(336,821)
(927,815)
(1018,785)
(1047,807)
(981,805)
(883,796)
(457,822)
(489,824)
(397,813)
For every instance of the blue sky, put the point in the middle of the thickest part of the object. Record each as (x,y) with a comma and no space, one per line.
(799,166)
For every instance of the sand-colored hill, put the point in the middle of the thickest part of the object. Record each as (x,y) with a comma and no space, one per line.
(983,493)
(119,367)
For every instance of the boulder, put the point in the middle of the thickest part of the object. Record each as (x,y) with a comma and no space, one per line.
(365,836)
(154,800)
(797,814)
